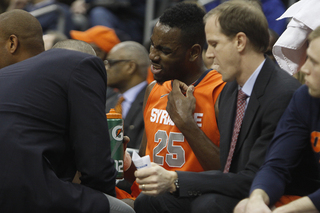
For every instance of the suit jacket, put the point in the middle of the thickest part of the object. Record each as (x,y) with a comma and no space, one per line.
(271,94)
(52,109)
(133,123)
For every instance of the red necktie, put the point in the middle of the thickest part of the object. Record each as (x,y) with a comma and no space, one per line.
(241,105)
(118,107)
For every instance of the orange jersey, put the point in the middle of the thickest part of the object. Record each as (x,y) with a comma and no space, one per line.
(166,145)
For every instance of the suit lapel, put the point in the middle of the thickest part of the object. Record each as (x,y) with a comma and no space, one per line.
(254,103)
(226,121)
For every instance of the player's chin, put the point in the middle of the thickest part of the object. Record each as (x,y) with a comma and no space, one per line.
(159,80)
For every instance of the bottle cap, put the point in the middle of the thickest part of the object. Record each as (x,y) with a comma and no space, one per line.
(112,114)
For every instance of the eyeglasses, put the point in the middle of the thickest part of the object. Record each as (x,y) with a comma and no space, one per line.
(111,62)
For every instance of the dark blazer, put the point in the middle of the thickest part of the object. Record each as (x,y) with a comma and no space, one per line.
(133,123)
(271,94)
(52,110)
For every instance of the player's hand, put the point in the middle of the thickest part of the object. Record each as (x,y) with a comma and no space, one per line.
(126,140)
(181,103)
(126,156)
(155,180)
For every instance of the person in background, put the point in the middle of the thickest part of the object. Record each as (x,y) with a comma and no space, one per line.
(126,17)
(272,9)
(127,66)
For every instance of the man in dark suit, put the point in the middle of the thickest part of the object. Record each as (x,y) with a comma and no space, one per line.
(237,35)
(127,67)
(52,124)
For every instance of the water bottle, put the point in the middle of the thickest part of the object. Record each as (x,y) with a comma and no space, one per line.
(115,125)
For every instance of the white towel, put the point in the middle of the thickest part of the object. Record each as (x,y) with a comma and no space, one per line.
(290,48)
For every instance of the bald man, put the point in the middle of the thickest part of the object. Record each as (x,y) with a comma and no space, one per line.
(127,66)
(20,37)
(52,124)
(76,45)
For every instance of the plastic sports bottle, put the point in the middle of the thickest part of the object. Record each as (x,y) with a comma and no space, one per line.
(115,125)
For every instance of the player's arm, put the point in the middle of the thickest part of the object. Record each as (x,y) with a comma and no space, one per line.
(180,109)
(129,174)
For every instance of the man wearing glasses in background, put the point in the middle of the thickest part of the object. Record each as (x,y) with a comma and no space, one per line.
(127,66)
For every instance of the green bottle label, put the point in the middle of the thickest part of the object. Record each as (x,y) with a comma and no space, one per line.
(116,141)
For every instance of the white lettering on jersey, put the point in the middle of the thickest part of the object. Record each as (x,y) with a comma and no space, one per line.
(198,118)
(162,117)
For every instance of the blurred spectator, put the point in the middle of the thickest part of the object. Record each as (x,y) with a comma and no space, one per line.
(272,9)
(126,17)
(50,20)
(4,5)
(52,37)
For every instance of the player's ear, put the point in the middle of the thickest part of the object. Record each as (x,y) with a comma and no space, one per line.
(195,52)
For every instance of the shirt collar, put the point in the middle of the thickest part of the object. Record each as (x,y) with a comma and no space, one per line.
(248,86)
(131,94)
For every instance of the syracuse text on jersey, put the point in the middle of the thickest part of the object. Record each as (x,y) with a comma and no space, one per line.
(162,117)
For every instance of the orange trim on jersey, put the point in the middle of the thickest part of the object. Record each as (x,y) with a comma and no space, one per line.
(165,143)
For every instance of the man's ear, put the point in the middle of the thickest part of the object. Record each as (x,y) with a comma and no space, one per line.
(132,66)
(13,44)
(195,52)
(241,41)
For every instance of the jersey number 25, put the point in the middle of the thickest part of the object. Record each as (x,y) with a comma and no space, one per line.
(176,154)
